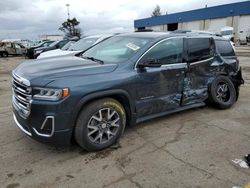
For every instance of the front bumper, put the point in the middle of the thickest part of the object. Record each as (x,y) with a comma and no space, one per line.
(53,136)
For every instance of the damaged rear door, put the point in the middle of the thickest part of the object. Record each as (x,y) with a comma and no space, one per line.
(200,56)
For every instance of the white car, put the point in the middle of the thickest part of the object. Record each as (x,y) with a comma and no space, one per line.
(81,45)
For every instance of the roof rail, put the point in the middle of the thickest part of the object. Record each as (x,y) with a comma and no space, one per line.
(197,32)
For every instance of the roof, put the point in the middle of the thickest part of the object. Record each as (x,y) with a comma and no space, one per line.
(179,33)
(234,9)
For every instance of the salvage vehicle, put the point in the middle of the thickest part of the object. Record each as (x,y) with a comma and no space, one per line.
(11,48)
(81,45)
(124,80)
(52,46)
(30,51)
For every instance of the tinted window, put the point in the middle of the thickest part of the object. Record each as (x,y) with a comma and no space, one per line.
(224,48)
(166,52)
(198,49)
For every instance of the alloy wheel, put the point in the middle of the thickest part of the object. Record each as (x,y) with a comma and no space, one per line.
(103,125)
(223,92)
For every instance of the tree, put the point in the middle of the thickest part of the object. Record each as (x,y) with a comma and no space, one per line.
(70,28)
(156,11)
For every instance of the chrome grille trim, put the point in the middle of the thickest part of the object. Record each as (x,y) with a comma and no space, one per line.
(22,95)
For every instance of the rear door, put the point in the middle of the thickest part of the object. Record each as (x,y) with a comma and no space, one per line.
(10,48)
(160,89)
(200,58)
(18,49)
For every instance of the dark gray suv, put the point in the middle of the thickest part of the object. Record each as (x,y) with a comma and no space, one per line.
(124,80)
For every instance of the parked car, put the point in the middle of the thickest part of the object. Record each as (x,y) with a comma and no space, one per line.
(52,46)
(81,45)
(11,48)
(30,51)
(121,81)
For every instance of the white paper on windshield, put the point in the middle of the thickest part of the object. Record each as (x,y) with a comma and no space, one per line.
(133,46)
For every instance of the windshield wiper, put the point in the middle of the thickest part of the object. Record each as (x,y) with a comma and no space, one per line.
(94,59)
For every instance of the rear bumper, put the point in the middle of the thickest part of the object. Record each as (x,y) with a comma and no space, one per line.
(238,79)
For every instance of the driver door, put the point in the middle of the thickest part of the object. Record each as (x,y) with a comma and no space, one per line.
(160,89)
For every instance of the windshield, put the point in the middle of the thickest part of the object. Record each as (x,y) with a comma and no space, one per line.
(83,44)
(53,43)
(68,45)
(116,49)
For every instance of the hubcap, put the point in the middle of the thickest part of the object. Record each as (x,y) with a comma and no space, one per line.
(223,93)
(103,125)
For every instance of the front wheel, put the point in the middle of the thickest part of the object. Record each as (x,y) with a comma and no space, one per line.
(4,54)
(222,92)
(100,124)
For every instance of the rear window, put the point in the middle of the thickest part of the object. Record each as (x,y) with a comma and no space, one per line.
(224,48)
(198,49)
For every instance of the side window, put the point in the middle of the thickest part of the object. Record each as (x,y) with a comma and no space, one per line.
(17,46)
(8,45)
(166,52)
(224,48)
(199,49)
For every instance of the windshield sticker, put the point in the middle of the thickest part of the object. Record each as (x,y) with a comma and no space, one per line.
(133,46)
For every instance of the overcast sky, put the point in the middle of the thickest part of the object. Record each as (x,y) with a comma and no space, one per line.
(30,18)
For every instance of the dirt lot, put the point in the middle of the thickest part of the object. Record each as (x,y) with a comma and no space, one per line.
(194,148)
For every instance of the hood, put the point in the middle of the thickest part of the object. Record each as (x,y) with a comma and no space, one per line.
(41,72)
(56,53)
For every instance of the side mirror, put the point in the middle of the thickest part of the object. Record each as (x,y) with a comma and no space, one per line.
(149,63)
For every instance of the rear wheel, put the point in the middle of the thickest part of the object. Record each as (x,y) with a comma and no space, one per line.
(100,124)
(222,92)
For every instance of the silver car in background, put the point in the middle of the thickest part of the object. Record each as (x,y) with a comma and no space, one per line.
(80,46)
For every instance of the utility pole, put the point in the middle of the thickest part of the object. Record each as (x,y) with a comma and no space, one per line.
(67,5)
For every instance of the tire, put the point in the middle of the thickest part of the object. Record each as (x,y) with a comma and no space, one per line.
(5,54)
(222,93)
(93,131)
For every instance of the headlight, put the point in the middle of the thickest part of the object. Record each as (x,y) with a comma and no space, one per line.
(50,93)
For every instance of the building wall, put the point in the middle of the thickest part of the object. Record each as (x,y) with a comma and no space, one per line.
(216,24)
(241,25)
(195,25)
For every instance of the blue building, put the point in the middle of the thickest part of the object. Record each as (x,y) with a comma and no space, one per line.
(236,15)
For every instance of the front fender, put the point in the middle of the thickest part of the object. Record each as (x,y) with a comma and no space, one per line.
(97,95)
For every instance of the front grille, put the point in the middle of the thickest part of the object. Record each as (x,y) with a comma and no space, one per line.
(21,95)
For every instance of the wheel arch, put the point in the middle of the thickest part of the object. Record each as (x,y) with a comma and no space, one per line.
(117,94)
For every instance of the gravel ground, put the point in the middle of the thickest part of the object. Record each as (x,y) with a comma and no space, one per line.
(194,148)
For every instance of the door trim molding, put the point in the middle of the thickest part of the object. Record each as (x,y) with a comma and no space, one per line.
(202,61)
